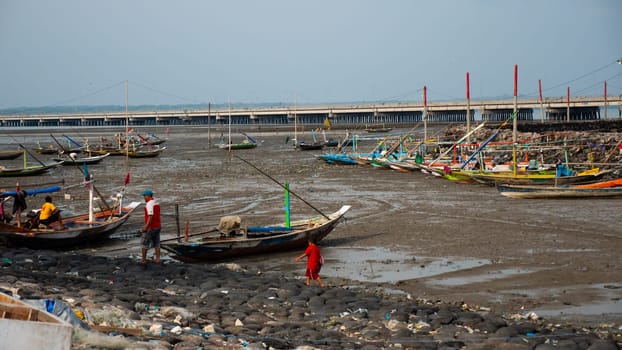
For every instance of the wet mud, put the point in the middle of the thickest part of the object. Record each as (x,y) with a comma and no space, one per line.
(406,232)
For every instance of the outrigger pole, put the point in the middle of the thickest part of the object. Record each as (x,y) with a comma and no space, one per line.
(280,184)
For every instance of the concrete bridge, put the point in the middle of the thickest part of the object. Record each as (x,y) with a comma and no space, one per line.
(395,114)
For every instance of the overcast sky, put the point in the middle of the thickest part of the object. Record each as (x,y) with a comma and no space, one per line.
(81,52)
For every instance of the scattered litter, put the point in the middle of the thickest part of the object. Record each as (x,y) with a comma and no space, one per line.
(176,330)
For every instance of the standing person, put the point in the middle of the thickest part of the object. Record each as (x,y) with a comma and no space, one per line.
(314,262)
(49,214)
(152,227)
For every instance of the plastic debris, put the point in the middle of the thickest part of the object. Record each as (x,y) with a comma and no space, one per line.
(176,330)
(155,329)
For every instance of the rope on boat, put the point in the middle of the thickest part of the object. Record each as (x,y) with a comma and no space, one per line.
(285,188)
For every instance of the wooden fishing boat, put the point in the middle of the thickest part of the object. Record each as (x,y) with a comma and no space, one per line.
(509,178)
(337,158)
(143,152)
(72,159)
(253,240)
(27,171)
(377,129)
(236,146)
(23,326)
(303,146)
(599,189)
(79,229)
(50,149)
(10,154)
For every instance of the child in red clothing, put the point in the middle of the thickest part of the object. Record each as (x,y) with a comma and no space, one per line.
(314,262)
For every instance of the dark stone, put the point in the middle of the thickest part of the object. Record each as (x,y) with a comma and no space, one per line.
(603,345)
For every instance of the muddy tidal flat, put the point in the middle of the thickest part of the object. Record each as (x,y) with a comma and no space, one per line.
(419,262)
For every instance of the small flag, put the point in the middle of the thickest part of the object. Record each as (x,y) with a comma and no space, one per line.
(127,179)
(87,176)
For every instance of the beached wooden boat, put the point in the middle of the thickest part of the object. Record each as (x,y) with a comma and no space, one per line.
(303,146)
(79,229)
(236,146)
(254,240)
(337,158)
(143,152)
(50,149)
(509,178)
(72,159)
(377,129)
(23,326)
(611,188)
(10,154)
(26,171)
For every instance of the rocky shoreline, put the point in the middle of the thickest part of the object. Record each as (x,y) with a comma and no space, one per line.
(186,306)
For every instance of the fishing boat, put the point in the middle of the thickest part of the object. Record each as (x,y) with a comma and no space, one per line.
(213,246)
(23,326)
(303,146)
(543,179)
(248,143)
(74,230)
(377,128)
(144,152)
(10,154)
(27,170)
(50,149)
(236,146)
(612,188)
(73,159)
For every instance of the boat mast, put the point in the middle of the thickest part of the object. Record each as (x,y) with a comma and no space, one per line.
(468,114)
(515,117)
(209,124)
(295,122)
(425,119)
(541,104)
(229,126)
(127,140)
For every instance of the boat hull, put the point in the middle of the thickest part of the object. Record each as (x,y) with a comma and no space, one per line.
(10,154)
(79,231)
(232,247)
(536,179)
(30,171)
(235,146)
(542,192)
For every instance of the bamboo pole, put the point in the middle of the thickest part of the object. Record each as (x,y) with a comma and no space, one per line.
(468,101)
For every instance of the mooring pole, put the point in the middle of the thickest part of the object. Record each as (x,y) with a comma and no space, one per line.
(287,207)
(177,222)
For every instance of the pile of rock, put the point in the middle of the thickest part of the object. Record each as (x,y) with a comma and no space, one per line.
(181,306)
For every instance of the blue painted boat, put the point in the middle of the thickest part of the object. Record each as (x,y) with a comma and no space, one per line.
(337,158)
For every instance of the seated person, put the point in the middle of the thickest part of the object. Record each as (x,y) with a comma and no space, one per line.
(49,214)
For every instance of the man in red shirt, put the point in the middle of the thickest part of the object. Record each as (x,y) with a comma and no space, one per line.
(152,227)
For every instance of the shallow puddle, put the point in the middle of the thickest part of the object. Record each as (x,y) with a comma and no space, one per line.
(607,308)
(377,264)
(489,276)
